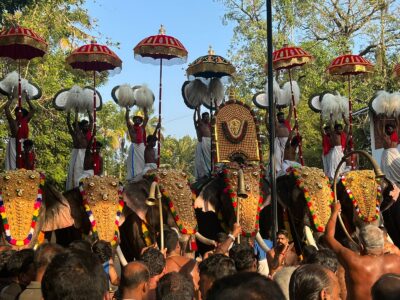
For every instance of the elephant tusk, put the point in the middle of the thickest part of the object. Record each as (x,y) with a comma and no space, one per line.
(121,256)
(309,236)
(205,240)
(261,242)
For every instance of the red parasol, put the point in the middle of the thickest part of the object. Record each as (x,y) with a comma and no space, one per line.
(288,58)
(94,57)
(168,50)
(347,65)
(20,43)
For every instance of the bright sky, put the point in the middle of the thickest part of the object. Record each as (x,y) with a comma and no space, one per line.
(196,23)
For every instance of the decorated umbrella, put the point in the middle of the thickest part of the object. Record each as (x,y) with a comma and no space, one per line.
(160,49)
(348,65)
(94,57)
(288,58)
(20,43)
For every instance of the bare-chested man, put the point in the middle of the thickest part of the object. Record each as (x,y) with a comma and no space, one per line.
(19,131)
(93,162)
(390,161)
(326,146)
(137,134)
(338,138)
(81,133)
(290,153)
(283,254)
(203,148)
(282,131)
(362,270)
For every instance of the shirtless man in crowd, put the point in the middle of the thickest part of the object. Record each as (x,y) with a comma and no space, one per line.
(363,269)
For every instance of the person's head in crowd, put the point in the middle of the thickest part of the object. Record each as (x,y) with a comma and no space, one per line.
(326,258)
(313,282)
(171,241)
(151,141)
(5,256)
(245,286)
(134,281)
(371,238)
(282,238)
(74,275)
(155,262)
(20,267)
(102,250)
(43,256)
(175,286)
(80,245)
(244,258)
(282,278)
(387,287)
(214,268)
(307,251)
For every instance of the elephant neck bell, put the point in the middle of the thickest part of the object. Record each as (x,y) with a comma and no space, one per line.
(154,194)
(241,192)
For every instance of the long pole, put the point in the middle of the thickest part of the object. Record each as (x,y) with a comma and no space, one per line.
(19,118)
(271,106)
(159,117)
(350,124)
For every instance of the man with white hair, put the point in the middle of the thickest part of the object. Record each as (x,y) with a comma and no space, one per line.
(363,269)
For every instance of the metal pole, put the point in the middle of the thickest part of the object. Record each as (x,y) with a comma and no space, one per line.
(350,133)
(272,117)
(159,117)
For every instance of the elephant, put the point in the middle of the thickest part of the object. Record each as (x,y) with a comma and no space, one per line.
(236,186)
(141,228)
(29,206)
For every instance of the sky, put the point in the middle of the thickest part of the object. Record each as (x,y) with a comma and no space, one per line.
(196,23)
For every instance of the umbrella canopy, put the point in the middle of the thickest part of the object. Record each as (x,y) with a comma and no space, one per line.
(289,57)
(211,65)
(94,57)
(21,43)
(161,46)
(350,64)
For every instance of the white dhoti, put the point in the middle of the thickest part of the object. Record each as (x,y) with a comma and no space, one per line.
(390,165)
(326,162)
(135,162)
(203,158)
(286,164)
(336,154)
(75,169)
(280,143)
(11,155)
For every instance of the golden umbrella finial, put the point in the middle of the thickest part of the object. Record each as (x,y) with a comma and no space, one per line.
(162,29)
(211,50)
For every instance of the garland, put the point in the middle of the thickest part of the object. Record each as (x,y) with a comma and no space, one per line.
(310,203)
(36,206)
(92,220)
(355,203)
(146,234)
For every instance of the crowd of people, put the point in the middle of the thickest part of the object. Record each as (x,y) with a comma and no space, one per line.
(230,271)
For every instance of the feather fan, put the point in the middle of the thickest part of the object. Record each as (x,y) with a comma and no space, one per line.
(287,94)
(330,107)
(73,98)
(394,105)
(197,93)
(277,92)
(216,90)
(125,96)
(143,96)
(86,100)
(381,102)
(343,103)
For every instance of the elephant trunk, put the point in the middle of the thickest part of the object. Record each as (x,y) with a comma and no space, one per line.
(205,240)
(309,236)
(261,242)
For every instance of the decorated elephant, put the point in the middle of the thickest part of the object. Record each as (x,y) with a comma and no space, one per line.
(29,207)
(142,228)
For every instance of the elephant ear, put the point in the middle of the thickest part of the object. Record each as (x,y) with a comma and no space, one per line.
(58,211)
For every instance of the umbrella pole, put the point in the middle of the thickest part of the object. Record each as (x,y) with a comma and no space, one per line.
(350,123)
(211,150)
(296,120)
(19,117)
(159,117)
(94,112)
(272,117)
